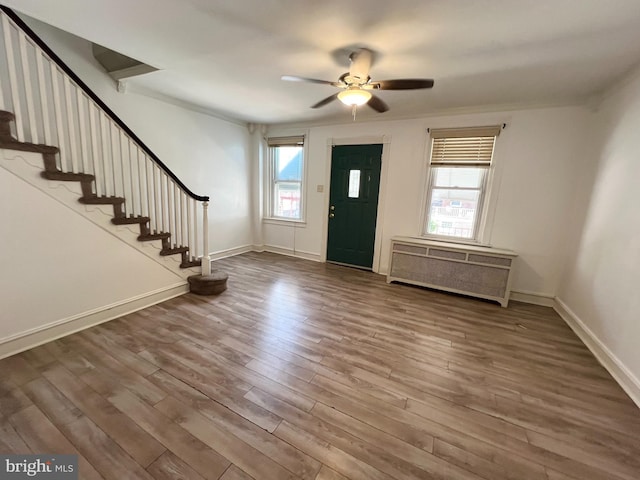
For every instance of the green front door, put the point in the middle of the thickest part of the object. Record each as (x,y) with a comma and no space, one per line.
(353,207)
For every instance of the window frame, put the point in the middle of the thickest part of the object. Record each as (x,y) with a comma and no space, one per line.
(272,143)
(482,211)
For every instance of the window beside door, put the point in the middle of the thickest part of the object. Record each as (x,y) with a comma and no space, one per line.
(460,160)
(286,174)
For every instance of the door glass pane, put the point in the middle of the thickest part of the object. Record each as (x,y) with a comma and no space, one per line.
(354,183)
(453,212)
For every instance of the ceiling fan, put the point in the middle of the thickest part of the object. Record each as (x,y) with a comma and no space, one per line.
(356,84)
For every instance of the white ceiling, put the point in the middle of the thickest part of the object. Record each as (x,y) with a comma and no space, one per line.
(228,56)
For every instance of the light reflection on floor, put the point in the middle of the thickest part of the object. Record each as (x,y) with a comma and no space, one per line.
(283,314)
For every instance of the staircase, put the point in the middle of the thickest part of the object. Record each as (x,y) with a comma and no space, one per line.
(42,99)
(52,172)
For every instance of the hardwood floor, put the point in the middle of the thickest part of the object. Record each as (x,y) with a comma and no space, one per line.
(317,371)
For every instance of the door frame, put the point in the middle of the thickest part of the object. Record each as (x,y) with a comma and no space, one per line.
(385,140)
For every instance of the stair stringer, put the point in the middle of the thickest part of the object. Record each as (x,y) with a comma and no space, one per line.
(28,166)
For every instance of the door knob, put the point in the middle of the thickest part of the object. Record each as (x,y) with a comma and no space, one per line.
(332,207)
(331,215)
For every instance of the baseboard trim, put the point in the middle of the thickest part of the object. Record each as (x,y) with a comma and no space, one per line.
(37,336)
(292,253)
(231,252)
(533,298)
(625,378)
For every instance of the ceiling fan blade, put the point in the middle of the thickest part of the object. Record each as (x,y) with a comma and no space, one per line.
(322,103)
(401,84)
(377,104)
(292,78)
(361,64)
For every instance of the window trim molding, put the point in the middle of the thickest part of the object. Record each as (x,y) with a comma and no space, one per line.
(475,240)
(268,216)
(484,228)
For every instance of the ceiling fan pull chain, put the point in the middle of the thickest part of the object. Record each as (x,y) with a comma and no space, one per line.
(354,109)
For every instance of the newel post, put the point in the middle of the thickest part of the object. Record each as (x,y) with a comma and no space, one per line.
(208,283)
(206,259)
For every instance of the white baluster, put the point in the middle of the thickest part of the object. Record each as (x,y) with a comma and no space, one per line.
(174,209)
(82,124)
(206,259)
(57,108)
(142,184)
(148,175)
(189,227)
(183,233)
(157,193)
(196,239)
(93,135)
(28,88)
(13,79)
(107,173)
(116,163)
(131,153)
(124,170)
(2,105)
(70,125)
(44,101)
(164,204)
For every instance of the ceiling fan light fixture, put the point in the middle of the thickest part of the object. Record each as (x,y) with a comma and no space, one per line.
(354,96)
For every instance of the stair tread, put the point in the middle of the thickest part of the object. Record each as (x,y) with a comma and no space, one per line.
(13,144)
(101,200)
(6,116)
(192,263)
(68,176)
(129,220)
(154,236)
(173,251)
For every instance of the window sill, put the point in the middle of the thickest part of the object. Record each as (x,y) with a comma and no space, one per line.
(459,241)
(283,221)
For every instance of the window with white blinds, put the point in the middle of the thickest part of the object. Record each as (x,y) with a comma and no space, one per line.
(459,162)
(286,173)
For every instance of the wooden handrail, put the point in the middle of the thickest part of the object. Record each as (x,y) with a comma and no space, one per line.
(38,41)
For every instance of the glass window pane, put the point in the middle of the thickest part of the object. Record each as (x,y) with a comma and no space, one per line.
(453,212)
(458,177)
(287,163)
(354,183)
(286,200)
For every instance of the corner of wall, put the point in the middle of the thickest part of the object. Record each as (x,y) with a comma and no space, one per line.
(625,378)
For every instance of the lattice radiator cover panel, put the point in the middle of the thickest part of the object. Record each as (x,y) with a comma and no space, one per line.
(472,270)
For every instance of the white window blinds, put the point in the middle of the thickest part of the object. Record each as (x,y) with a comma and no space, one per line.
(463,146)
(285,141)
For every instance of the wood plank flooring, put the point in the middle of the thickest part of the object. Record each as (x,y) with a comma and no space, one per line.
(303,370)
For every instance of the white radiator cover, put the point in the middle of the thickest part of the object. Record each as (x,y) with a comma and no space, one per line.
(482,272)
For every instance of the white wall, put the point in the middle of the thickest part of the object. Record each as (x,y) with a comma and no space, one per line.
(536,157)
(58,271)
(56,265)
(599,290)
(210,155)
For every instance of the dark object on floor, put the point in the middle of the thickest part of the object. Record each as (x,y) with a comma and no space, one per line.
(212,284)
